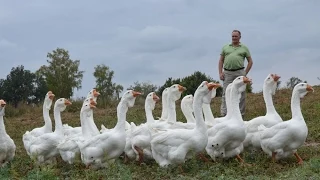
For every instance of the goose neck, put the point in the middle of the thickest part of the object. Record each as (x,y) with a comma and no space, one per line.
(295,106)
(2,127)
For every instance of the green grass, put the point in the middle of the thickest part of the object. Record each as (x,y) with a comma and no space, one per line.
(26,118)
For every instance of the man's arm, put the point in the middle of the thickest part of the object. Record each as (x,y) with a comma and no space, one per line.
(221,74)
(249,65)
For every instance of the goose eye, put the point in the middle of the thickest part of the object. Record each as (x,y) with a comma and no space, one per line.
(302,84)
(269,78)
(238,77)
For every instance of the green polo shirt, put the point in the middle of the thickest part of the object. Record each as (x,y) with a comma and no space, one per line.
(234,56)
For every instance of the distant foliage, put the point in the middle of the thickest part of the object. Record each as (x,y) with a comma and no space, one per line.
(190,82)
(144,87)
(108,90)
(278,84)
(293,81)
(62,74)
(19,86)
(170,81)
(249,88)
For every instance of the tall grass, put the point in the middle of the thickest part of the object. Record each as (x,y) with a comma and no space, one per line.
(26,117)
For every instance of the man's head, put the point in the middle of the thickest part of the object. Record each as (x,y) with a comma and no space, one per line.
(236,35)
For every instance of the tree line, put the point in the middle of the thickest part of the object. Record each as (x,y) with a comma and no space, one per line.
(62,76)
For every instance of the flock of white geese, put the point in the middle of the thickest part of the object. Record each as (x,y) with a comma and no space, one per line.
(165,139)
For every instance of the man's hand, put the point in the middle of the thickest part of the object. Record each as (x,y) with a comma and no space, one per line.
(221,76)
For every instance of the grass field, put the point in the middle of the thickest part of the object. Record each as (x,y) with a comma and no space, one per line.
(18,121)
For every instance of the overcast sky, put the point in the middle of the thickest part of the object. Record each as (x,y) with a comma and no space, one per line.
(152,40)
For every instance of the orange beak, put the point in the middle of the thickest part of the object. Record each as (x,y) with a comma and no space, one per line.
(95,93)
(275,77)
(67,102)
(93,102)
(155,97)
(51,95)
(309,88)
(246,80)
(136,93)
(92,106)
(3,103)
(181,88)
(216,85)
(210,86)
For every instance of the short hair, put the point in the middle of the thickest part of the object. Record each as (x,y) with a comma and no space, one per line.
(237,31)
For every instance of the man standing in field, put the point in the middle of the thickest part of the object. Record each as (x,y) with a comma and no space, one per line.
(231,65)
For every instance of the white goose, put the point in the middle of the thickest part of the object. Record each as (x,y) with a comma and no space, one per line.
(229,108)
(44,147)
(174,145)
(103,148)
(68,147)
(225,138)
(207,112)
(271,117)
(7,146)
(186,108)
(47,128)
(164,112)
(187,111)
(92,128)
(140,135)
(173,94)
(283,139)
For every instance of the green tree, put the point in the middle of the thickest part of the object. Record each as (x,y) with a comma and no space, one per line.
(278,84)
(293,81)
(104,84)
(118,89)
(191,82)
(170,81)
(249,88)
(18,86)
(40,89)
(62,75)
(144,87)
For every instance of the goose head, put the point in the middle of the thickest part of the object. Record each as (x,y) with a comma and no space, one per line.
(165,93)
(303,89)
(212,88)
(240,83)
(151,100)
(129,97)
(61,104)
(90,101)
(175,91)
(187,102)
(271,82)
(2,106)
(204,91)
(88,106)
(93,93)
(48,100)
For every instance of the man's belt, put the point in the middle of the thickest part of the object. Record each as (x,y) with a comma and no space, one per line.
(233,69)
